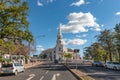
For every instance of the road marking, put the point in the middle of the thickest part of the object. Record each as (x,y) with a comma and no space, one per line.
(46,72)
(58,74)
(42,78)
(31,76)
(55,75)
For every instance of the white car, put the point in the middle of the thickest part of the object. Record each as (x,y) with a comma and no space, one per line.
(112,65)
(11,68)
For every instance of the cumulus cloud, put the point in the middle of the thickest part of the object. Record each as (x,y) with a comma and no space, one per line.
(118,13)
(39,48)
(79,3)
(39,3)
(74,42)
(80,22)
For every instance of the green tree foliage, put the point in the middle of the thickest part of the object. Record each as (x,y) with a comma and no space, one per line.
(13,24)
(105,38)
(117,41)
(95,52)
(107,46)
(67,56)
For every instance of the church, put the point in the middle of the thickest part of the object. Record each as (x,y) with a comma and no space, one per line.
(57,53)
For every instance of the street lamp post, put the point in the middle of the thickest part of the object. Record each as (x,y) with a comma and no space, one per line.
(35,46)
(37,38)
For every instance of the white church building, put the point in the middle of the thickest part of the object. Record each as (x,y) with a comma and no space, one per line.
(57,53)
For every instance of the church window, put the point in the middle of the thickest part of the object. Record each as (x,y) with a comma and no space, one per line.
(59,48)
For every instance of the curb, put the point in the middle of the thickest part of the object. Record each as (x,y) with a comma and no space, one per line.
(73,72)
(32,65)
(79,77)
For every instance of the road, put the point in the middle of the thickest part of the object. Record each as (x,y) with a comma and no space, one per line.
(99,73)
(43,72)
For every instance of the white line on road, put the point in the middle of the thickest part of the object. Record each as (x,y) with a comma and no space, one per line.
(31,76)
(42,78)
(55,75)
(46,72)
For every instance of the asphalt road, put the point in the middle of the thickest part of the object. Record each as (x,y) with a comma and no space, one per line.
(99,73)
(42,72)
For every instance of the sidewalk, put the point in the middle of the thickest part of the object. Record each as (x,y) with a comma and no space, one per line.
(32,64)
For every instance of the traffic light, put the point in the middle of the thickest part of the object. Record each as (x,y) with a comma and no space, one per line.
(76,50)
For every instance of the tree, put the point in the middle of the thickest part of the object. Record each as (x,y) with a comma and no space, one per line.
(67,56)
(14,25)
(117,40)
(105,38)
(94,52)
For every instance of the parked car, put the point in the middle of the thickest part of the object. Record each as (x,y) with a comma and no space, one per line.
(112,65)
(55,61)
(11,68)
(97,63)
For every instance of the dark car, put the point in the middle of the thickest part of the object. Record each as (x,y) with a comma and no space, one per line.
(97,63)
(55,61)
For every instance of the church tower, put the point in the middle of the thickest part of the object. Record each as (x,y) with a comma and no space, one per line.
(59,37)
(60,45)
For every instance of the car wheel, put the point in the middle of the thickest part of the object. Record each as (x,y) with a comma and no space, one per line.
(16,73)
(0,75)
(106,66)
(115,68)
(96,65)
(23,70)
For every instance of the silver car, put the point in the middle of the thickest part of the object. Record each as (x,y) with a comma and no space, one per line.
(11,68)
(97,63)
(112,65)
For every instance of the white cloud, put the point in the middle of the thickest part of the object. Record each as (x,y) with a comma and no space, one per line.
(79,3)
(42,2)
(79,36)
(39,3)
(74,42)
(39,48)
(118,13)
(102,25)
(80,22)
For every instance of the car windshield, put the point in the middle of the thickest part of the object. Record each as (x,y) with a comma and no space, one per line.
(7,65)
(17,64)
(115,63)
(97,62)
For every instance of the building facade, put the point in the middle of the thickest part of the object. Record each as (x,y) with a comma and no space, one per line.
(57,53)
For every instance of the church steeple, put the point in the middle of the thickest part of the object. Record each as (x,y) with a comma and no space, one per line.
(59,36)
(59,33)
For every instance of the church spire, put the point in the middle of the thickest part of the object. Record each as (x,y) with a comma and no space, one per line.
(60,33)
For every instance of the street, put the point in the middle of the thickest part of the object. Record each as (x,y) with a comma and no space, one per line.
(98,73)
(45,71)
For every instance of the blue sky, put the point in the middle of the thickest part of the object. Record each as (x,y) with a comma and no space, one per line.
(80,21)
